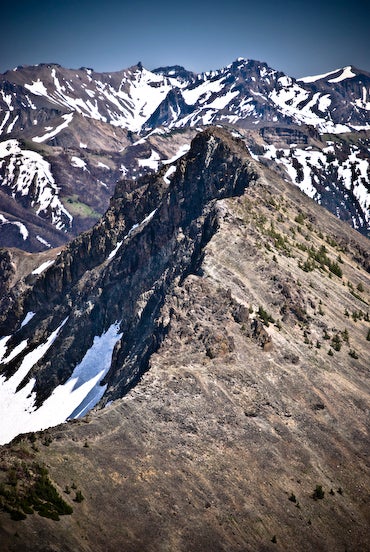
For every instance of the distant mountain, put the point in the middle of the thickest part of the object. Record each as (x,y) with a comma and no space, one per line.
(86,130)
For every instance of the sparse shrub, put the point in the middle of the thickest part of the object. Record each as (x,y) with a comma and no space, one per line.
(17,515)
(318,493)
(292,498)
(352,353)
(336,342)
(330,352)
(35,493)
(368,335)
(300,218)
(360,288)
(79,497)
(274,539)
(265,316)
(335,269)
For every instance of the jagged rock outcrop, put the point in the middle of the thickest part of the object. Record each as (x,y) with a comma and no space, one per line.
(121,271)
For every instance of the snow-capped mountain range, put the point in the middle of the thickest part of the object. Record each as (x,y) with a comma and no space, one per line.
(68,135)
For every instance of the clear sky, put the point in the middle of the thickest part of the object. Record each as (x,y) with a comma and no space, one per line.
(298,37)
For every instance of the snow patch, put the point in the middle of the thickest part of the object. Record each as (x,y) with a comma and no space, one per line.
(44,242)
(43,267)
(67,120)
(78,395)
(180,152)
(79,163)
(27,318)
(21,227)
(27,172)
(152,162)
(168,173)
(347,73)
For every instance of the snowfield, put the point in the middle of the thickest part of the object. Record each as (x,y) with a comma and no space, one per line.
(81,392)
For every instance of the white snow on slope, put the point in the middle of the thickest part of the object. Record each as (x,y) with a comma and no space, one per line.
(309,159)
(37,87)
(289,100)
(27,318)
(25,171)
(78,163)
(43,266)
(152,162)
(73,399)
(223,101)
(168,173)
(114,251)
(180,152)
(203,91)
(139,226)
(22,229)
(346,74)
(67,119)
(43,241)
(315,78)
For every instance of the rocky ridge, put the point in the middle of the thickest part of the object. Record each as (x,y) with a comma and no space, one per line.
(251,313)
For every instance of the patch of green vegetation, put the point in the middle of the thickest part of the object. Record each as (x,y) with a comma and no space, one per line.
(300,218)
(265,317)
(357,296)
(318,258)
(29,489)
(280,242)
(336,342)
(40,148)
(318,493)
(78,208)
(360,315)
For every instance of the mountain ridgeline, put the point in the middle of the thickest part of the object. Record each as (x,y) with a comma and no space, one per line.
(67,136)
(120,272)
(207,339)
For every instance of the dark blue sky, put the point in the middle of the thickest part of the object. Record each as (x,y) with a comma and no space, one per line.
(298,37)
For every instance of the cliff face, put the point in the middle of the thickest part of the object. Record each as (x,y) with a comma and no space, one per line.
(239,309)
(120,272)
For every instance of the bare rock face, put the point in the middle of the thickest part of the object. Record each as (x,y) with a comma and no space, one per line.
(146,241)
(236,400)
